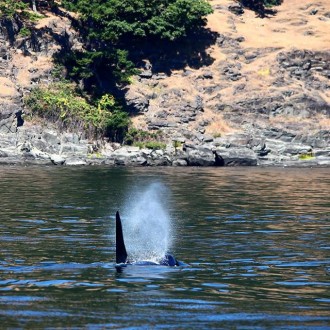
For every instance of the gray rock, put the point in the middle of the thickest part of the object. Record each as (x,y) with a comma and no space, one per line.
(70,138)
(208,75)
(198,105)
(74,149)
(57,159)
(208,138)
(75,161)
(179,162)
(129,156)
(12,160)
(164,160)
(38,154)
(187,72)
(323,161)
(320,143)
(8,123)
(200,157)
(236,157)
(320,153)
(119,161)
(137,102)
(236,9)
(297,149)
(158,123)
(3,154)
(134,160)
(147,74)
(51,137)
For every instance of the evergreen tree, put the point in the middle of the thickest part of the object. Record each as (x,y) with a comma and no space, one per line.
(9,7)
(112,26)
(115,20)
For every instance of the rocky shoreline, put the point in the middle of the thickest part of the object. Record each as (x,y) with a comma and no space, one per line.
(24,145)
(240,105)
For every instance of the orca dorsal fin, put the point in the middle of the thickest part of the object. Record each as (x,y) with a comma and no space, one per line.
(121,254)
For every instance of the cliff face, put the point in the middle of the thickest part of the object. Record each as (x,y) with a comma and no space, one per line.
(259,94)
(267,85)
(26,61)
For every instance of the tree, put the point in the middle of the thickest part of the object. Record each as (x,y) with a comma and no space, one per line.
(34,5)
(111,28)
(113,20)
(9,7)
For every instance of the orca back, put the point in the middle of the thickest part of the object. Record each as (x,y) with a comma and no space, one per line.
(169,260)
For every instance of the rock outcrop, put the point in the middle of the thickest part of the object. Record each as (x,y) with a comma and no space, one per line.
(253,98)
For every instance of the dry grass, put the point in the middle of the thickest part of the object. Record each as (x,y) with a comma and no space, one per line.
(138,122)
(318,122)
(324,122)
(7,87)
(279,33)
(286,29)
(218,126)
(25,65)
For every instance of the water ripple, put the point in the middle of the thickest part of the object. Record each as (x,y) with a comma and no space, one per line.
(256,241)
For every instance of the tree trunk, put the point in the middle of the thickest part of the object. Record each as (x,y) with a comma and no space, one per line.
(34,5)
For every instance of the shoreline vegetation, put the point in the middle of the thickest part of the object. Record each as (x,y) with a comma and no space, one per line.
(172,83)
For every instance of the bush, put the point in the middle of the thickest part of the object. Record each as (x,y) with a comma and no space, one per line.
(144,139)
(134,136)
(8,8)
(306,156)
(61,104)
(154,145)
(24,32)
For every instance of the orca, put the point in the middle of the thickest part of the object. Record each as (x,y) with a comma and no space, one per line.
(122,259)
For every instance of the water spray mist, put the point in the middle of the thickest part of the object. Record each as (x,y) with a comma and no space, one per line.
(146,222)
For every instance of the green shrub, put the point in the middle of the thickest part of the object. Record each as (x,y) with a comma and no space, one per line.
(31,16)
(135,135)
(306,156)
(177,144)
(8,8)
(61,104)
(24,32)
(154,145)
(144,139)
(217,135)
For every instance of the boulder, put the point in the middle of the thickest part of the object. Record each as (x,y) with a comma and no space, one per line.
(297,149)
(236,157)
(200,157)
(3,154)
(37,154)
(160,160)
(179,162)
(57,159)
(75,161)
(8,122)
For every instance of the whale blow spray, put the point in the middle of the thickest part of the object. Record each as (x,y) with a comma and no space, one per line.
(147,227)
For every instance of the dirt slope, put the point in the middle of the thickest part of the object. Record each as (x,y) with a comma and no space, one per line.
(266,73)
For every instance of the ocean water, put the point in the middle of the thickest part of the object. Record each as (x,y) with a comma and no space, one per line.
(255,240)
